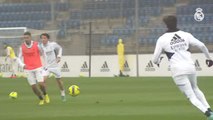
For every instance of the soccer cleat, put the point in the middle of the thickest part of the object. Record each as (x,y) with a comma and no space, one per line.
(63,98)
(14,76)
(46,98)
(41,102)
(210,117)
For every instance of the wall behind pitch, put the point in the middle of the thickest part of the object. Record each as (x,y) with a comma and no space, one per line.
(148,68)
(107,66)
(74,66)
(5,68)
(101,66)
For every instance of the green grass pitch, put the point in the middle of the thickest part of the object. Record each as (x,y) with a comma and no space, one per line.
(146,98)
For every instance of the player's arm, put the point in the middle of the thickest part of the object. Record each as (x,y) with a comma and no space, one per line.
(158,50)
(43,56)
(40,49)
(202,47)
(59,49)
(195,42)
(19,59)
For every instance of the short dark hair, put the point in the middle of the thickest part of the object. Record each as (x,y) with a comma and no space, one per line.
(45,34)
(5,45)
(170,21)
(27,33)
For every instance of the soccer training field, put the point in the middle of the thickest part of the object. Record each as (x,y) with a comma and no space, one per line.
(103,99)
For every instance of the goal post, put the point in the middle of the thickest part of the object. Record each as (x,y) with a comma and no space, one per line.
(14,36)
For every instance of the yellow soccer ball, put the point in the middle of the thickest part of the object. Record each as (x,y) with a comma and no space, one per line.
(74,90)
(13,95)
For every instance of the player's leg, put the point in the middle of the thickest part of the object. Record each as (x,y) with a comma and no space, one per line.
(32,81)
(13,62)
(57,73)
(184,85)
(45,74)
(38,93)
(121,65)
(61,87)
(198,92)
(12,67)
(42,85)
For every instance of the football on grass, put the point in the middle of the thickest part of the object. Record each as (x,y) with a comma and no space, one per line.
(74,90)
(13,95)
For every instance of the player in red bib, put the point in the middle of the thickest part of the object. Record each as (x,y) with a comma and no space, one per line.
(30,54)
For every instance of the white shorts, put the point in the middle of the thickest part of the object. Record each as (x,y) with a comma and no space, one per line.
(34,76)
(56,71)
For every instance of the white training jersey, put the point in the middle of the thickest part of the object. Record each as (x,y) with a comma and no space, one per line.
(176,46)
(50,52)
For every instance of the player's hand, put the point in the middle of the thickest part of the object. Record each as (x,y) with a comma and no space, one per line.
(158,65)
(209,63)
(160,61)
(58,59)
(25,67)
(161,58)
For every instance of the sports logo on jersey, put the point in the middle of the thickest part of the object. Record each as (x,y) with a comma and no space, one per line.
(84,67)
(199,15)
(126,66)
(197,66)
(65,67)
(177,43)
(150,66)
(176,39)
(104,67)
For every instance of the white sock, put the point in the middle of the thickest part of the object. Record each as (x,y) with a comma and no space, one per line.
(62,92)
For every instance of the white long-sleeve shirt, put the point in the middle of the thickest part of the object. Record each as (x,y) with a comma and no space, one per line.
(176,45)
(50,52)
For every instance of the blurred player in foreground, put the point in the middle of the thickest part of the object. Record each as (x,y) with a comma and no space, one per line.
(175,43)
(52,53)
(30,52)
(11,56)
